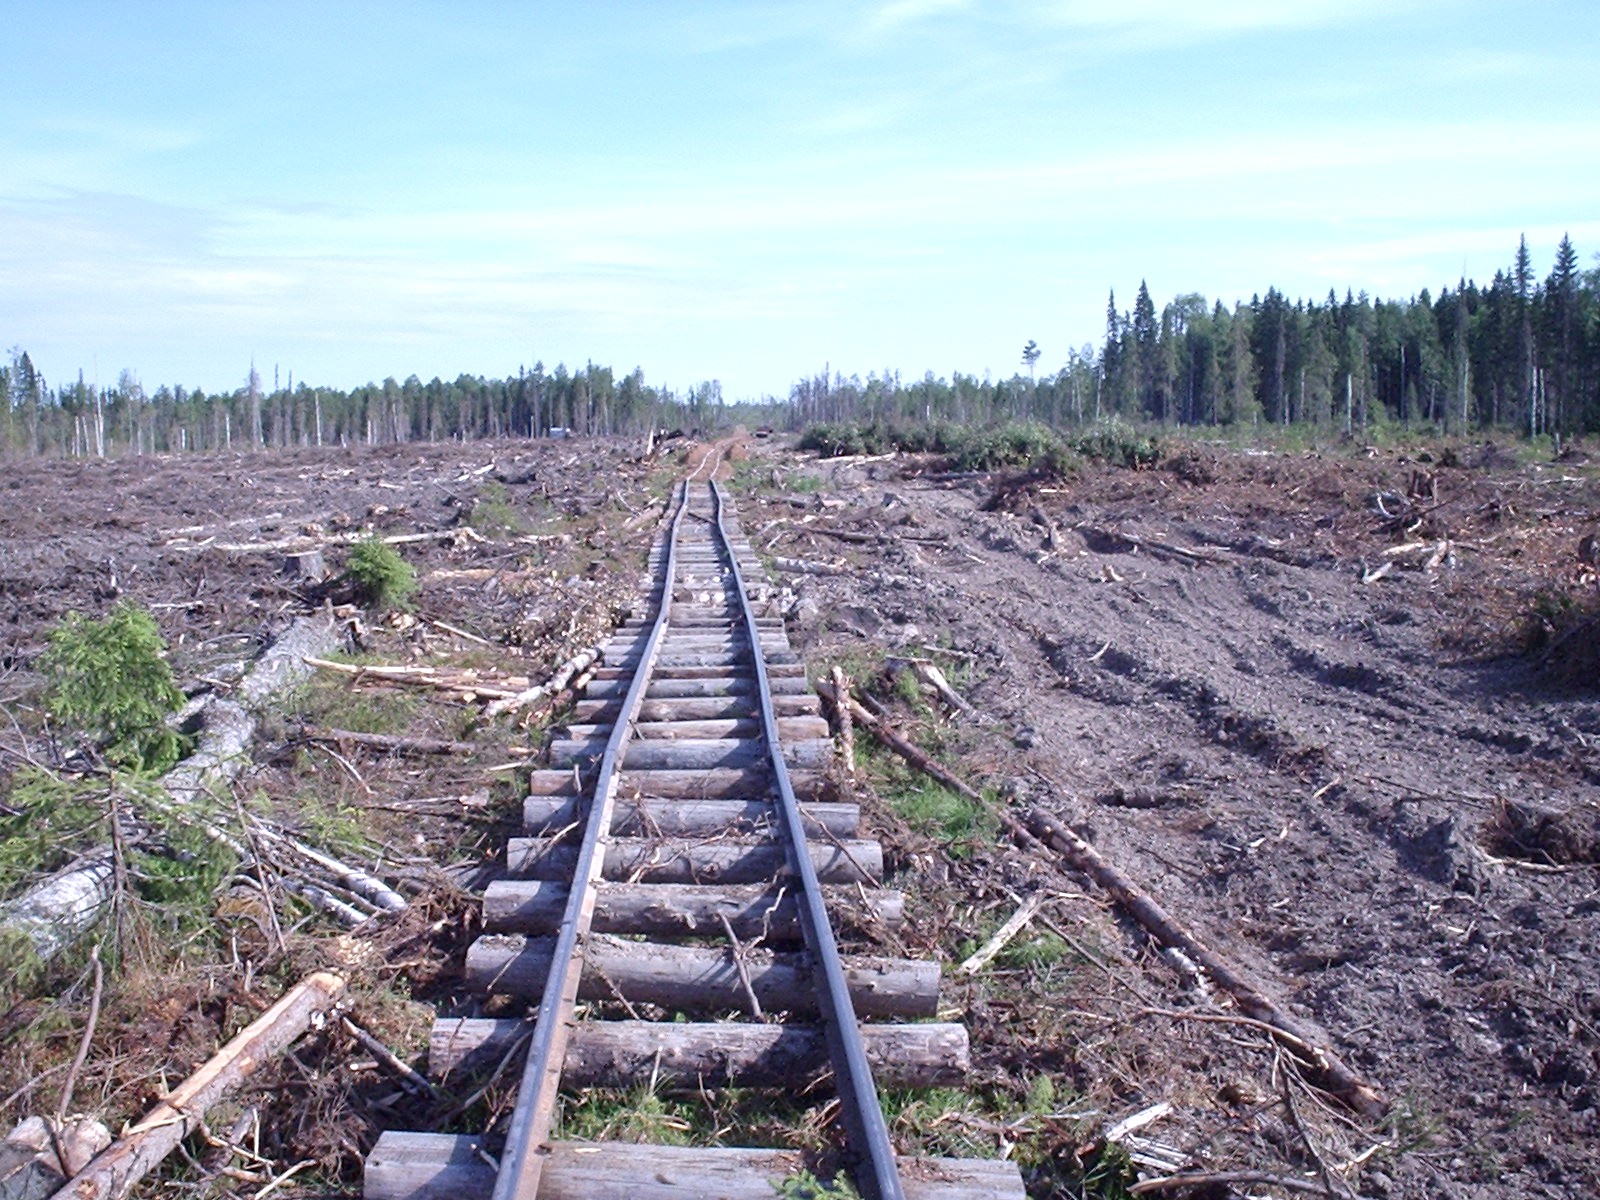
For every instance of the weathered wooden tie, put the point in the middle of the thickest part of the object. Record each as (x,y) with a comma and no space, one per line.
(700,909)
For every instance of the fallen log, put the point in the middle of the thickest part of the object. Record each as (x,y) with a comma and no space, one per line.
(53,914)
(391,742)
(1140,542)
(803,566)
(305,541)
(114,1172)
(847,736)
(1330,1072)
(1334,1074)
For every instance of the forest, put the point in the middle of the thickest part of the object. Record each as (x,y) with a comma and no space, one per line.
(81,420)
(1519,355)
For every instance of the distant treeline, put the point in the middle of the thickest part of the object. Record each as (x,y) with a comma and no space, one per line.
(80,419)
(1518,354)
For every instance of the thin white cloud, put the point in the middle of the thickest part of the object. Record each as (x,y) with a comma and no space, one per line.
(896,14)
(1217,16)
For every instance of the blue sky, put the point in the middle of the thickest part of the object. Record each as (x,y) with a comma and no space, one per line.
(747,190)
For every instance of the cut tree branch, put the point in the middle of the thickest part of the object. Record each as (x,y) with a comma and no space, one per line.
(113,1173)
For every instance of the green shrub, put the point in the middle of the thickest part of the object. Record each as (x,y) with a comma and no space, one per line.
(493,511)
(384,578)
(50,820)
(107,679)
(1015,444)
(1120,447)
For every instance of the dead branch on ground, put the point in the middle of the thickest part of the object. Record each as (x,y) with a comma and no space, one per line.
(113,1173)
(1321,1062)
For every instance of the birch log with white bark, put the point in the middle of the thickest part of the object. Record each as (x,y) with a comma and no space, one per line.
(53,914)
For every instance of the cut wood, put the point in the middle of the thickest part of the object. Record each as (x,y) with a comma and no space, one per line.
(657,754)
(557,683)
(716,784)
(700,978)
(682,860)
(361,882)
(305,566)
(765,912)
(441,1166)
(719,1054)
(678,818)
(1330,1071)
(1002,937)
(114,1172)
(31,1157)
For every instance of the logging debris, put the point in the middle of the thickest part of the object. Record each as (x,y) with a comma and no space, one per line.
(1040,827)
(113,1172)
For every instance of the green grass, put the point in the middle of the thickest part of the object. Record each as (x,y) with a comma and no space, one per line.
(959,822)
(339,705)
(637,1115)
(806,1186)
(493,511)
(1044,949)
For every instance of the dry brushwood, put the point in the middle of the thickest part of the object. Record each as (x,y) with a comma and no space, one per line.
(113,1173)
(1319,1061)
(464,684)
(53,914)
(558,683)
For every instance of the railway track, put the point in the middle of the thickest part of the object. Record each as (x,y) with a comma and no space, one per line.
(670,911)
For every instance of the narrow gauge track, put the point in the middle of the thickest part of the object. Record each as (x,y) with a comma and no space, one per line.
(669,910)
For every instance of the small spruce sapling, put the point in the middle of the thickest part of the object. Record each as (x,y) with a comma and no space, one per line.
(108,680)
(384,578)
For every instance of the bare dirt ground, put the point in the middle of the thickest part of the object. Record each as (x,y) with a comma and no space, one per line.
(1328,779)
(1337,777)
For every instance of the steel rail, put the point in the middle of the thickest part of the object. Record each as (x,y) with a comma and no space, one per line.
(528,1135)
(868,1135)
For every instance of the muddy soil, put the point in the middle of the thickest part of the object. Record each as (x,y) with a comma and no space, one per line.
(1342,781)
